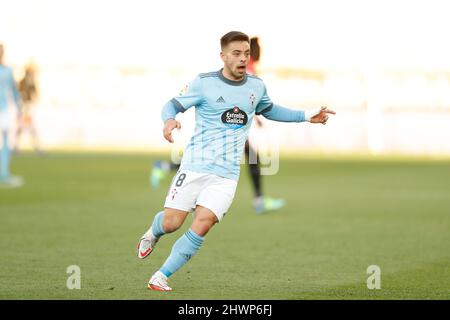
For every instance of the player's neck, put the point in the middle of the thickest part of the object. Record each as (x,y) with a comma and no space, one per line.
(228,75)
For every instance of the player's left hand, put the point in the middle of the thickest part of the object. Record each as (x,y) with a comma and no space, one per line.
(321,116)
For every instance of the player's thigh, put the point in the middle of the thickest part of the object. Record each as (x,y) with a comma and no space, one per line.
(217,196)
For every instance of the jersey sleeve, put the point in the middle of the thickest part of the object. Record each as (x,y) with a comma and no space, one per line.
(169,111)
(265,104)
(190,96)
(282,114)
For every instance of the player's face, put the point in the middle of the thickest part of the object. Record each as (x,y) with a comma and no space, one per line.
(1,52)
(235,57)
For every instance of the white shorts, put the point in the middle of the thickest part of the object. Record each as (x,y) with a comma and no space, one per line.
(189,189)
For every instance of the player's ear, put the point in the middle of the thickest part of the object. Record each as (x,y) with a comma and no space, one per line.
(222,56)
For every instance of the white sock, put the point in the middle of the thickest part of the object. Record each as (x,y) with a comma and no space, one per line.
(159,274)
(149,234)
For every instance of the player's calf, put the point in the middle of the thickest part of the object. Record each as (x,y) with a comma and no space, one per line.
(173,220)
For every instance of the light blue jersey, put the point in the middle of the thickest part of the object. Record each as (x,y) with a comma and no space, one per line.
(8,89)
(224,112)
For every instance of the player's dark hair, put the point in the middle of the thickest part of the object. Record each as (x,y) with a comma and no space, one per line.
(233,36)
(255,49)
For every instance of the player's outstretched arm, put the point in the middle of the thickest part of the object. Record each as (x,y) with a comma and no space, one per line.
(279,113)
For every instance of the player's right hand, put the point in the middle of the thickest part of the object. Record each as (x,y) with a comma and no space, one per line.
(169,125)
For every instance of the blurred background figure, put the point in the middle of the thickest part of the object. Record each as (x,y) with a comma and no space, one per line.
(255,54)
(261,203)
(160,169)
(29,93)
(8,94)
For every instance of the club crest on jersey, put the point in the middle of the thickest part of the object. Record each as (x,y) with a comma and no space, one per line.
(174,193)
(235,118)
(183,91)
(252,100)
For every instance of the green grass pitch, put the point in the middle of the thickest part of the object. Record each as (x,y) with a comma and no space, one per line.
(342,215)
